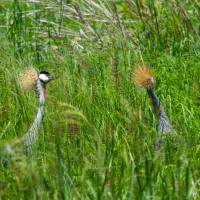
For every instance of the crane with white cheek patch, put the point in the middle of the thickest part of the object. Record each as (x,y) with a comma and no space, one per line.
(28,81)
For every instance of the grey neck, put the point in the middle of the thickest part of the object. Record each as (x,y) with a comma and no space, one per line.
(164,125)
(32,133)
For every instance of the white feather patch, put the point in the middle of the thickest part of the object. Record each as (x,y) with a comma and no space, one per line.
(44,78)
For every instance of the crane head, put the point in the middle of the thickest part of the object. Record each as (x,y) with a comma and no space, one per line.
(143,76)
(45,77)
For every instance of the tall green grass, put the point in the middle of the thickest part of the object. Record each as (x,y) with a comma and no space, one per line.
(98,135)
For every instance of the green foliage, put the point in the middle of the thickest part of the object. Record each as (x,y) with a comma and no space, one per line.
(99,131)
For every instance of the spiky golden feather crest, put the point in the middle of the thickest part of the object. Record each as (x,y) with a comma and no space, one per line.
(143,76)
(28,78)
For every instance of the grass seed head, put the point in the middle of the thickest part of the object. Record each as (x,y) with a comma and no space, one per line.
(143,76)
(28,78)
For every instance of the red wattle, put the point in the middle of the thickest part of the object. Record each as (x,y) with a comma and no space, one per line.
(45,92)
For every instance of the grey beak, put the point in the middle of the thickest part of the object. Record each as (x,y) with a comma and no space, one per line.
(53,77)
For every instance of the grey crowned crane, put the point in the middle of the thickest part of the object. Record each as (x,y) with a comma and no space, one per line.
(143,77)
(28,80)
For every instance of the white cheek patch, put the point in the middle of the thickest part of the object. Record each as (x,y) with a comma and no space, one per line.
(152,81)
(44,78)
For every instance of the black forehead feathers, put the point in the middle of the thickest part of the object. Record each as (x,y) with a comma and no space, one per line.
(44,72)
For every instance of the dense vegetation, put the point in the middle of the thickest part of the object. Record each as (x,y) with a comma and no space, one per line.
(97,141)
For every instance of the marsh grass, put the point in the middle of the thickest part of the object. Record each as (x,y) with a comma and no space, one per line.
(99,131)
